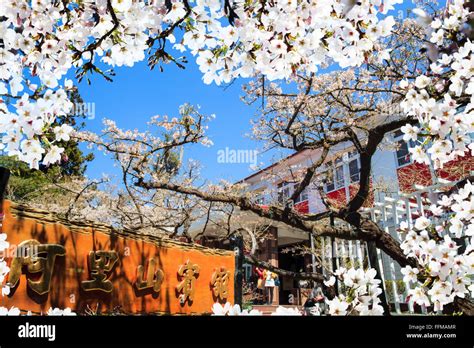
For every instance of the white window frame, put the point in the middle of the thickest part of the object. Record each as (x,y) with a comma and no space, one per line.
(342,162)
(282,187)
(282,197)
(302,197)
(399,139)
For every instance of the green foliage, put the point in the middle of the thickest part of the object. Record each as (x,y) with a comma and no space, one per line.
(171,160)
(27,184)
(24,182)
(74,161)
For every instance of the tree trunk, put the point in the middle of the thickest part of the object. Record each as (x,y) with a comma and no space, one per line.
(464,305)
(237,244)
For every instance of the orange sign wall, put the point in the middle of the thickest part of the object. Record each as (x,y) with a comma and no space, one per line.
(72,269)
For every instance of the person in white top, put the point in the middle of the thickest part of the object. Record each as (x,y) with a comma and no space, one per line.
(269,277)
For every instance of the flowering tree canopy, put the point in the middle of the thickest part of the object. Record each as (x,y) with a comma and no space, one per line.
(43,40)
(426,68)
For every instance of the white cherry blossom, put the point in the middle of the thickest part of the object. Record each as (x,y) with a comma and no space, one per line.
(444,273)
(410,274)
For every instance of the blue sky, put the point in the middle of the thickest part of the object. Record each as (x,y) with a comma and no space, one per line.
(137,93)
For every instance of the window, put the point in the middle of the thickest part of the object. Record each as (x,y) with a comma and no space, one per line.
(347,165)
(353,154)
(284,192)
(330,185)
(303,196)
(354,167)
(330,177)
(403,155)
(339,177)
(335,176)
(354,170)
(260,200)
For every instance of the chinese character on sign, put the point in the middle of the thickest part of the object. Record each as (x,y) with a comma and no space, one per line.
(154,279)
(189,273)
(101,264)
(38,258)
(220,283)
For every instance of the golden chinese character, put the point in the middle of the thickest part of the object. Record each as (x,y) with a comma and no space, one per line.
(220,283)
(189,273)
(101,264)
(154,279)
(38,258)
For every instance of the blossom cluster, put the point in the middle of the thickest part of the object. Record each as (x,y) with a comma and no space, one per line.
(360,295)
(442,99)
(4,269)
(26,129)
(43,40)
(235,310)
(278,38)
(14,311)
(189,127)
(142,153)
(444,272)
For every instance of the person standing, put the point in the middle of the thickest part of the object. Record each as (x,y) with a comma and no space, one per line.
(260,285)
(314,305)
(269,277)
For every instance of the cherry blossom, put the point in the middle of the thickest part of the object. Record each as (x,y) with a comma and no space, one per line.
(442,98)
(4,269)
(283,311)
(3,242)
(410,132)
(63,132)
(444,272)
(218,309)
(337,306)
(43,41)
(360,292)
(409,274)
(13,311)
(60,312)
(418,296)
(231,310)
(53,155)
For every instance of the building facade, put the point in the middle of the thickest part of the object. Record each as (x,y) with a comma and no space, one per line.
(393,174)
